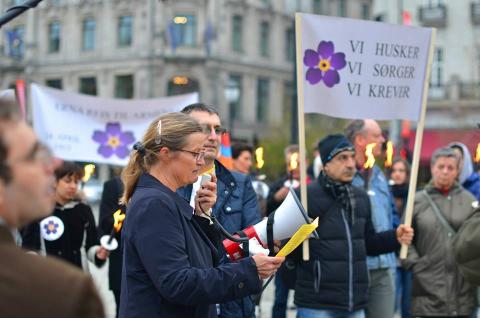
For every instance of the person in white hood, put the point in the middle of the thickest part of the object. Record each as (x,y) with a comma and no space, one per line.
(467,177)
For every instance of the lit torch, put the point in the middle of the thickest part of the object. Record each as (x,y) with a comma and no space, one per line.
(477,153)
(369,155)
(259,157)
(108,241)
(389,159)
(293,161)
(368,165)
(88,171)
(292,165)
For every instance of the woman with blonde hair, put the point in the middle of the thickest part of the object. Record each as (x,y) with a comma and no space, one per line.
(170,249)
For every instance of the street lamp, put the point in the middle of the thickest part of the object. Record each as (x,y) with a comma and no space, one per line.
(232,95)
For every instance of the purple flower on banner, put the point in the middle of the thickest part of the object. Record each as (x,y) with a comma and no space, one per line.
(323,64)
(113,141)
(51,227)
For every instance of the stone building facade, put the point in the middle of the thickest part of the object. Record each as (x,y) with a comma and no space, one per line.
(238,54)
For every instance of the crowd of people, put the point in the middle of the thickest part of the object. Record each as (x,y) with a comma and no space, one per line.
(171,261)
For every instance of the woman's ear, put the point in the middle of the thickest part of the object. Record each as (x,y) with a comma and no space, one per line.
(165,153)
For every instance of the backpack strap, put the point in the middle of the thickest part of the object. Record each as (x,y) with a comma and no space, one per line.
(451,232)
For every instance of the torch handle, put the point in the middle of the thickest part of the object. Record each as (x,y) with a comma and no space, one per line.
(111,236)
(266,284)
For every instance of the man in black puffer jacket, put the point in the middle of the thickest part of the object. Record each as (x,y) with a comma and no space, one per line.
(334,282)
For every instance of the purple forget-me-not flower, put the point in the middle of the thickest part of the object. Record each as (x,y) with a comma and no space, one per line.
(323,64)
(113,141)
(51,227)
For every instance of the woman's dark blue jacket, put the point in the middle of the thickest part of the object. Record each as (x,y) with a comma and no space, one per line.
(168,267)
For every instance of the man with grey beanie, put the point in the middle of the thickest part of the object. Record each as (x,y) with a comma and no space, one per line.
(334,282)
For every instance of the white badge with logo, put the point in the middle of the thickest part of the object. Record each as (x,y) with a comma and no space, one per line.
(52,228)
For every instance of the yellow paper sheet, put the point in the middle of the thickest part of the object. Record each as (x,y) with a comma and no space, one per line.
(301,235)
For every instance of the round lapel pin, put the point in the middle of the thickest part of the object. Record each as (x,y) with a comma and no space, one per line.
(52,228)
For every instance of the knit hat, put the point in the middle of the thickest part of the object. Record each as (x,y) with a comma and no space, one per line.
(332,145)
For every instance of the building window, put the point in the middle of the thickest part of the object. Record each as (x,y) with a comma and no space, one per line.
(180,84)
(234,97)
(124,86)
(342,8)
(433,3)
(365,11)
(264,39)
(54,83)
(317,6)
(290,45)
(125,31)
(237,33)
(263,92)
(436,72)
(88,40)
(437,89)
(88,85)
(15,42)
(288,91)
(185,29)
(478,62)
(54,30)
(292,6)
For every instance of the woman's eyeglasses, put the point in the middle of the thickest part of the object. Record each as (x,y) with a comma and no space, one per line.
(197,155)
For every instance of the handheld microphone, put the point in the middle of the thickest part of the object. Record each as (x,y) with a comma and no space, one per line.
(205,178)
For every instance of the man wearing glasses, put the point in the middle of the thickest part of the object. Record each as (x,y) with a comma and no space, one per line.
(236,207)
(33,286)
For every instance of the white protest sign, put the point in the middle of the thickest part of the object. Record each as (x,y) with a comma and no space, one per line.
(362,69)
(87,128)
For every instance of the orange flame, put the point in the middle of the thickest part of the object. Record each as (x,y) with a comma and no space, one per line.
(88,171)
(118,218)
(259,157)
(293,161)
(389,159)
(477,153)
(370,157)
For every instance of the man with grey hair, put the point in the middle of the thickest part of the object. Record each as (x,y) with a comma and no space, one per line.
(440,210)
(381,292)
(32,285)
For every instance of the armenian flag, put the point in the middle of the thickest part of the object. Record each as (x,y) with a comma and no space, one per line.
(225,156)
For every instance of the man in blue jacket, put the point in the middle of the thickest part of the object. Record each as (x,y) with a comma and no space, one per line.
(381,294)
(334,282)
(236,207)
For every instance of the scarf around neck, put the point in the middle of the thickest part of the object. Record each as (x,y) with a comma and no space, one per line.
(341,192)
